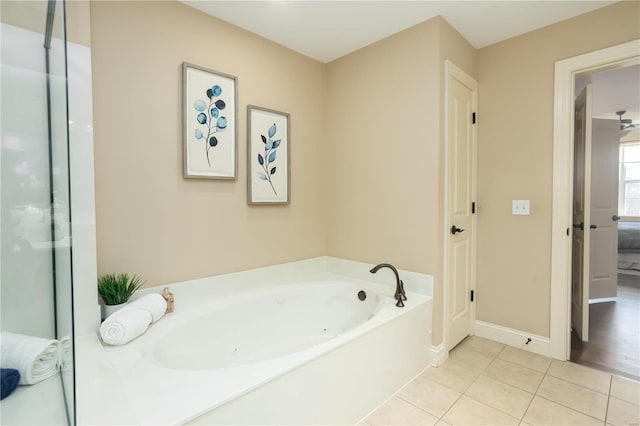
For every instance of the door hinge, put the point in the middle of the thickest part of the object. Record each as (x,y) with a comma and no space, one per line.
(473,118)
(472,294)
(473,207)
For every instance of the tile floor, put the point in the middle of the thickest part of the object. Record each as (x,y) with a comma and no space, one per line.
(487,383)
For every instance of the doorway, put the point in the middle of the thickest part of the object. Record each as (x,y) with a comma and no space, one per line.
(605,307)
(565,72)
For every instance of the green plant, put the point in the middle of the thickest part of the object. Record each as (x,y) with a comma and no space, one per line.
(116,289)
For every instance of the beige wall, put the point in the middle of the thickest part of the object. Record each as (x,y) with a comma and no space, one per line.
(515,160)
(366,151)
(385,139)
(150,220)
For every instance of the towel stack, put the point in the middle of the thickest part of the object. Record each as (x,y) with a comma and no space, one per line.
(32,358)
(132,320)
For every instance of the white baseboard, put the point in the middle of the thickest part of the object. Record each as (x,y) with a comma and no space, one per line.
(438,354)
(512,337)
(603,300)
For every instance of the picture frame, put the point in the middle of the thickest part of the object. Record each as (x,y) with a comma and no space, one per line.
(210,131)
(268,156)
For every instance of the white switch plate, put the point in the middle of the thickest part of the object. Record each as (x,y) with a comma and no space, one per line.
(520,207)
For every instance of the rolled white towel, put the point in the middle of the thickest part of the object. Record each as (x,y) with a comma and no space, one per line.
(132,320)
(34,357)
(124,325)
(152,302)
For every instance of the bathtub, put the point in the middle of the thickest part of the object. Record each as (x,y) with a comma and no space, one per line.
(264,325)
(322,344)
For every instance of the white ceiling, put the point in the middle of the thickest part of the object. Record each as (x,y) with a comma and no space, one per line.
(326,30)
(614,90)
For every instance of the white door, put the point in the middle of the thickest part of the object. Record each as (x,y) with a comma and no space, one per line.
(581,214)
(603,259)
(461,101)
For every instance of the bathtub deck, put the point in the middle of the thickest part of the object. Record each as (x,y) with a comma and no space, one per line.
(120,385)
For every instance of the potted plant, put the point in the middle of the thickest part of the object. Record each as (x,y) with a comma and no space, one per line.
(115,290)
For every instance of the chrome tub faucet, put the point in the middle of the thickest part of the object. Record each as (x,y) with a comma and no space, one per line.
(399,296)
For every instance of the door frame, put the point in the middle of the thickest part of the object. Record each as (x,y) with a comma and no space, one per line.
(618,56)
(452,70)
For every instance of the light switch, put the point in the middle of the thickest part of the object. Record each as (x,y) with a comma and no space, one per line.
(520,207)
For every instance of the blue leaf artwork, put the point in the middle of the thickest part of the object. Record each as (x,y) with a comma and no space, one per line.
(209,115)
(266,161)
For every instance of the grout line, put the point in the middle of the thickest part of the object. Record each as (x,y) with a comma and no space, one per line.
(575,384)
(467,388)
(606,411)
(517,365)
(418,407)
(492,407)
(449,409)
(535,393)
(464,393)
(570,408)
(582,386)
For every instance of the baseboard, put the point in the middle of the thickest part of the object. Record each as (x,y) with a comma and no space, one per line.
(603,300)
(438,354)
(512,337)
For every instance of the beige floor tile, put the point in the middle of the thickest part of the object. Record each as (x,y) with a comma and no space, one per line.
(471,358)
(526,359)
(622,413)
(515,375)
(399,412)
(442,423)
(499,395)
(625,389)
(543,412)
(588,377)
(460,370)
(485,346)
(467,411)
(581,399)
(432,397)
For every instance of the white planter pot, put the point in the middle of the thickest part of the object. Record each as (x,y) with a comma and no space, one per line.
(109,309)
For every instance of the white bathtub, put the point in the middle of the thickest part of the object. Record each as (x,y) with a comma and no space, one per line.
(263,325)
(296,346)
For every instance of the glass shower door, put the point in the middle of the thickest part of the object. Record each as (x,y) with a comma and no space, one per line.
(35,255)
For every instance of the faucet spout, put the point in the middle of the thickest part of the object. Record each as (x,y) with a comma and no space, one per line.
(399,295)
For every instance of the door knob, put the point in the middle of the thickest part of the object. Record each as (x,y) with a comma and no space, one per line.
(593,226)
(615,218)
(579,225)
(455,229)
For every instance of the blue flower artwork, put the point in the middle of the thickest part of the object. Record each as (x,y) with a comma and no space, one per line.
(209,115)
(268,159)
(210,148)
